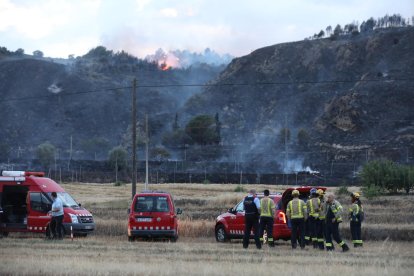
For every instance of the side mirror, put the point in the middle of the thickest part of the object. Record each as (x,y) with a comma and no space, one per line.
(129,210)
(80,205)
(179,211)
(231,211)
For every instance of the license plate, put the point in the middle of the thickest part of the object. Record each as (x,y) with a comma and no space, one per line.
(88,227)
(144,219)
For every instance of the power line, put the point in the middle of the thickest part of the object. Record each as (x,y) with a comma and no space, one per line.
(100,90)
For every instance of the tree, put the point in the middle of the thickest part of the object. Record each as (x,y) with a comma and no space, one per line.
(19,52)
(218,129)
(117,157)
(321,34)
(387,175)
(284,136)
(338,30)
(202,130)
(303,139)
(175,125)
(160,154)
(38,54)
(95,146)
(46,154)
(329,30)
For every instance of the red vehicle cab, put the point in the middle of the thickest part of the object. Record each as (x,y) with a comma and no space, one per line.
(230,225)
(25,201)
(152,215)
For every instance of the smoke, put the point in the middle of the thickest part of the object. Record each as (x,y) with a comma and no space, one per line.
(185,58)
(54,88)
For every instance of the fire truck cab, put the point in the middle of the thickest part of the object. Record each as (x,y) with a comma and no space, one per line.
(25,200)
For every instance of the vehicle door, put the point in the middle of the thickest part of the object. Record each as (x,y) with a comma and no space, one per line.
(238,219)
(37,209)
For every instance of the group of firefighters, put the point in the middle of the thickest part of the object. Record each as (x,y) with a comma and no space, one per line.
(316,220)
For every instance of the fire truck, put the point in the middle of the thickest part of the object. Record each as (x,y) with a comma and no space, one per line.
(25,201)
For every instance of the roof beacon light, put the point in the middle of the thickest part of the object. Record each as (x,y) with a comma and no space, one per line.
(22,173)
(13,173)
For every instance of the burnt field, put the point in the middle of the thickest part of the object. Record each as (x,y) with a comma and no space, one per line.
(388,232)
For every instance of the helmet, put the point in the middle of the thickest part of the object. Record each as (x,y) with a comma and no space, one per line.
(320,192)
(295,193)
(313,191)
(355,195)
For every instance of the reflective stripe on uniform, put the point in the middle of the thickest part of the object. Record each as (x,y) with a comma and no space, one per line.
(266,212)
(320,240)
(295,214)
(328,244)
(341,243)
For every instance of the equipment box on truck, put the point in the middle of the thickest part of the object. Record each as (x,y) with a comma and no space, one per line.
(25,199)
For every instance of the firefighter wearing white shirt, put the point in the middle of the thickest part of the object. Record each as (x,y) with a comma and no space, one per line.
(56,227)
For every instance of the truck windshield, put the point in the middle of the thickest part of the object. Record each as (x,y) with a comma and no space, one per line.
(67,200)
(152,204)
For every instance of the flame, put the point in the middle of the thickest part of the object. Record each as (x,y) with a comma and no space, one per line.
(164,66)
(170,61)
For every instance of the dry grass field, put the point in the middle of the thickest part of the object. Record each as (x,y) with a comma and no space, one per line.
(388,229)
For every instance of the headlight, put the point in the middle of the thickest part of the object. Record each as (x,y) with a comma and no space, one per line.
(74,218)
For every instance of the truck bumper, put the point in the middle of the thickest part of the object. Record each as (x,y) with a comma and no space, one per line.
(153,233)
(79,228)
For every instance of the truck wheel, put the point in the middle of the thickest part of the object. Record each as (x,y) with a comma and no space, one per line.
(174,239)
(221,235)
(5,234)
(131,239)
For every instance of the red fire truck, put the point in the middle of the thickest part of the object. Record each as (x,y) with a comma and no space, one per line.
(25,200)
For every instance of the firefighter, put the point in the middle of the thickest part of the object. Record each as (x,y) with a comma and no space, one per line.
(356,216)
(321,220)
(296,212)
(267,211)
(307,228)
(333,218)
(313,206)
(251,219)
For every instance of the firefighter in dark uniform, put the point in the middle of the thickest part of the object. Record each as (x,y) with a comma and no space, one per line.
(251,219)
(296,212)
(321,220)
(333,218)
(356,216)
(313,205)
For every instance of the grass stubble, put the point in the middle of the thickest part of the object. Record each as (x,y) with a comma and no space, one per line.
(389,251)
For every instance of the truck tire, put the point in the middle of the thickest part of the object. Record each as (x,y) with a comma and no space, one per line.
(131,238)
(221,235)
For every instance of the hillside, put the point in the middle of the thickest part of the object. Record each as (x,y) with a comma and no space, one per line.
(57,100)
(344,101)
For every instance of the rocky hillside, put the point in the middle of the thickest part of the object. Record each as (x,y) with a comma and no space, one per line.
(331,104)
(43,100)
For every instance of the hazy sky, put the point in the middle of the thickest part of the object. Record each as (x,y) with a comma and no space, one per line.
(63,27)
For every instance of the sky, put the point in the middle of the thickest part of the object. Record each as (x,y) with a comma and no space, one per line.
(72,27)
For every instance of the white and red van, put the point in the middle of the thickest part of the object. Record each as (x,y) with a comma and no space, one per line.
(25,201)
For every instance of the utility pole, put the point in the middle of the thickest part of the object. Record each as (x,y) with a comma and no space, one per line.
(134,138)
(286,149)
(146,151)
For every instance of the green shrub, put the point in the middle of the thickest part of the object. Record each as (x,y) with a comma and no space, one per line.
(206,181)
(239,189)
(118,183)
(371,192)
(343,190)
